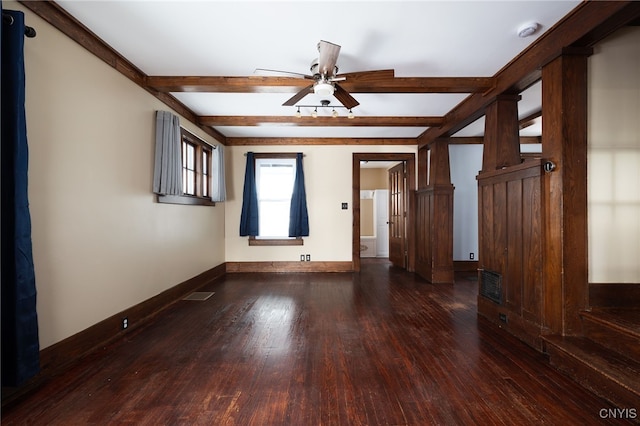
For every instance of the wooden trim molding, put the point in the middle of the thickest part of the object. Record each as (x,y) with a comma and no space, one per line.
(253,241)
(465,265)
(185,200)
(283,266)
(62,355)
(72,28)
(614,295)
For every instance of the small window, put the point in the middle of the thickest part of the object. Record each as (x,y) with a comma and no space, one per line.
(196,172)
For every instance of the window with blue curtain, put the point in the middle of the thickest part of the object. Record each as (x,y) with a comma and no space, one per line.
(274,208)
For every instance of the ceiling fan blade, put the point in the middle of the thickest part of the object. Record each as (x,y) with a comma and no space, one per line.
(278,73)
(369,75)
(298,96)
(344,97)
(327,58)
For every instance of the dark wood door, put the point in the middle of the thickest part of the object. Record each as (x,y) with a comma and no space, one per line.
(397,216)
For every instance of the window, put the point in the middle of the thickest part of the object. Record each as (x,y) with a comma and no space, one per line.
(196,172)
(275,176)
(274,182)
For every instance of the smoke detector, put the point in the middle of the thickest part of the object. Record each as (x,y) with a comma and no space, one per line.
(528,29)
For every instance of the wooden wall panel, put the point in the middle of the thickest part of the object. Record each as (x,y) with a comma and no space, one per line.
(532,248)
(510,208)
(434,229)
(513,267)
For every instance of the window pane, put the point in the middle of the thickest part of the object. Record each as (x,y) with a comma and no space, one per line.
(188,168)
(191,179)
(274,179)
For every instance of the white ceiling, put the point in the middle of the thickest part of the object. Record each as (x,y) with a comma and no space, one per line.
(233,38)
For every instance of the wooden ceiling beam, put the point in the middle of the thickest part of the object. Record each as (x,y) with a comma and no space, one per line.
(583,27)
(255,84)
(319,141)
(342,121)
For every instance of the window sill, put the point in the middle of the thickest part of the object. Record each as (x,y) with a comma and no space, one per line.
(275,241)
(185,200)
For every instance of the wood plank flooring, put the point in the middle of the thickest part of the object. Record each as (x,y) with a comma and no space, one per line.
(382,347)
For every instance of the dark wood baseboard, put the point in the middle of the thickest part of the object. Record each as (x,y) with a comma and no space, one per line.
(60,356)
(614,295)
(503,317)
(465,266)
(289,267)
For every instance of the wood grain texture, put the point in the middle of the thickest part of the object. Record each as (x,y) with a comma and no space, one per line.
(511,238)
(375,348)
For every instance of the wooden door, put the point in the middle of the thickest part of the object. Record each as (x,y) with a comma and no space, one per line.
(397,216)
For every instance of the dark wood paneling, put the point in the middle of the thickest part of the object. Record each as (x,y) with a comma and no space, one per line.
(465,265)
(614,295)
(532,249)
(511,238)
(564,135)
(434,232)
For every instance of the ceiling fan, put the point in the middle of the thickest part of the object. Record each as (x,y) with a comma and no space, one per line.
(324,72)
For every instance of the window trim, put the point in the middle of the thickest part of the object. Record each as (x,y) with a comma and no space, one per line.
(188,199)
(284,241)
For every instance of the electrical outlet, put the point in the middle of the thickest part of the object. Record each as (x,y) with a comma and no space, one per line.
(308,258)
(472,256)
(125,322)
(302,258)
(345,206)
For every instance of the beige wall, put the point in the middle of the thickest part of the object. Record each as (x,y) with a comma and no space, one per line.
(328,179)
(614,159)
(370,179)
(101,243)
(374,179)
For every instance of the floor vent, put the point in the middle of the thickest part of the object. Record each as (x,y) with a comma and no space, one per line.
(199,295)
(491,285)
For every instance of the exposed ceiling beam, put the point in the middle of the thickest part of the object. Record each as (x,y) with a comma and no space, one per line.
(342,121)
(74,29)
(586,25)
(479,140)
(255,84)
(319,141)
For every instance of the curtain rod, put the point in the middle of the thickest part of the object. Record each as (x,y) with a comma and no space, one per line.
(8,20)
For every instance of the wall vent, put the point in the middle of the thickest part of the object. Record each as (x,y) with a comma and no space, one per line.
(491,285)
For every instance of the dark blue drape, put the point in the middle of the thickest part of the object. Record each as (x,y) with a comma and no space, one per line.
(298,215)
(20,347)
(249,216)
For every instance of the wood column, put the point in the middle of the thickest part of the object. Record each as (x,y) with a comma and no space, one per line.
(501,134)
(434,216)
(564,143)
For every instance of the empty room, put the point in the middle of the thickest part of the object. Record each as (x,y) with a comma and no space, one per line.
(320,213)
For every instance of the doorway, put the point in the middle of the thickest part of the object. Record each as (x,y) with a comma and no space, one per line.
(408,244)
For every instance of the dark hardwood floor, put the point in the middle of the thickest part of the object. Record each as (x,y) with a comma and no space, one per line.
(382,347)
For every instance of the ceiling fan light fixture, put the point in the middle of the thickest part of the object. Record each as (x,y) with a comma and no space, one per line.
(323,88)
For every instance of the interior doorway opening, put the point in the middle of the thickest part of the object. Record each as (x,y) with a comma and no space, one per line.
(398,172)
